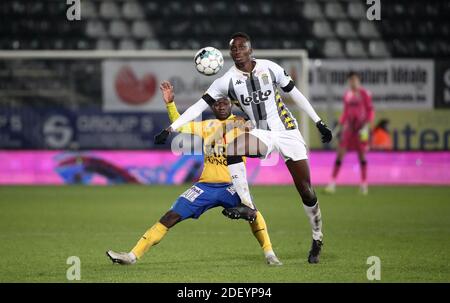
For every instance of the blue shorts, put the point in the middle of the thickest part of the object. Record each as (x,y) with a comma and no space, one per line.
(203,196)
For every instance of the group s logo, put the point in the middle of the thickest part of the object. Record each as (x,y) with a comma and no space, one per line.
(256,97)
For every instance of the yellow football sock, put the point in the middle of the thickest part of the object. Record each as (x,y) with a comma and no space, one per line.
(151,237)
(259,229)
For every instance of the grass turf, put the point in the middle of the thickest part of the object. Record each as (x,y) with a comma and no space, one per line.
(408,228)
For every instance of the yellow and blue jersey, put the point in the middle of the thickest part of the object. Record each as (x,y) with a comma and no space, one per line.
(215,134)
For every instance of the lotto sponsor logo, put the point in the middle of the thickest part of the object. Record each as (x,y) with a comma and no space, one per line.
(256,97)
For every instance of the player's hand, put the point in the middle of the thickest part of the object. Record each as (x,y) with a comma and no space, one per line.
(162,136)
(167,92)
(326,133)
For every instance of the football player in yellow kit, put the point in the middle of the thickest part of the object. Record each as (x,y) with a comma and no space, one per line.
(214,187)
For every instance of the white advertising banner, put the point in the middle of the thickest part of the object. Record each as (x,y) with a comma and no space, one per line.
(133,85)
(393,83)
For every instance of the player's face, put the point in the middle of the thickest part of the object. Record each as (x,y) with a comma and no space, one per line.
(240,50)
(222,109)
(354,82)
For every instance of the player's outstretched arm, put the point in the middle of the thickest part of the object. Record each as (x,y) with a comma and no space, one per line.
(169,99)
(190,114)
(304,104)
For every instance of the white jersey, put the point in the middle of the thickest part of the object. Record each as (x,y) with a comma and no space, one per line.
(256,94)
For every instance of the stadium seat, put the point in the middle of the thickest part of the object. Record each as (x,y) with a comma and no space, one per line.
(344,29)
(151,44)
(118,29)
(266,8)
(355,48)
(322,29)
(243,9)
(367,30)
(334,10)
(333,49)
(378,48)
(89,10)
(312,10)
(141,29)
(356,10)
(151,9)
(105,44)
(132,10)
(83,44)
(109,10)
(96,29)
(127,44)
(200,9)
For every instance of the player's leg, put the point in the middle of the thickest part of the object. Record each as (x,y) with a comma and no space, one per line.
(191,204)
(243,145)
(363,166)
(229,199)
(301,175)
(331,187)
(259,230)
(150,238)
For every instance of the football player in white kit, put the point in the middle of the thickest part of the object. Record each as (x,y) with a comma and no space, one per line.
(253,83)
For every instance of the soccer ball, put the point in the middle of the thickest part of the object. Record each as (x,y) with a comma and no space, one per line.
(208,61)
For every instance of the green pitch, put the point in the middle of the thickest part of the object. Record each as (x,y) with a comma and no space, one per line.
(408,228)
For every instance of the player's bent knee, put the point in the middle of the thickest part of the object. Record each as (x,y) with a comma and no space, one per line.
(170,219)
(338,162)
(310,201)
(308,195)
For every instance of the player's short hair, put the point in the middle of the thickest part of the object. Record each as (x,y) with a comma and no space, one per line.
(241,35)
(225,99)
(352,73)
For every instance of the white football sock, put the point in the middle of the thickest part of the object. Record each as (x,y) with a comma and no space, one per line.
(269,253)
(132,256)
(315,219)
(239,179)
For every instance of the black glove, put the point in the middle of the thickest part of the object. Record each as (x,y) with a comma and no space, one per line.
(325,131)
(162,137)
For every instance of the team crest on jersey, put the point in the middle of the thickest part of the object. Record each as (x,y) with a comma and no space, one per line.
(265,79)
(238,82)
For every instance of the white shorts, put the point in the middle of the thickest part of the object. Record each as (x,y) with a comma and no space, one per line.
(289,143)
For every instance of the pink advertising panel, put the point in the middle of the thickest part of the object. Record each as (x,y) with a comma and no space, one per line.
(163,167)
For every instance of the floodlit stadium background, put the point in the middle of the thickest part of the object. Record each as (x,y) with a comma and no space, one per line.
(61,111)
